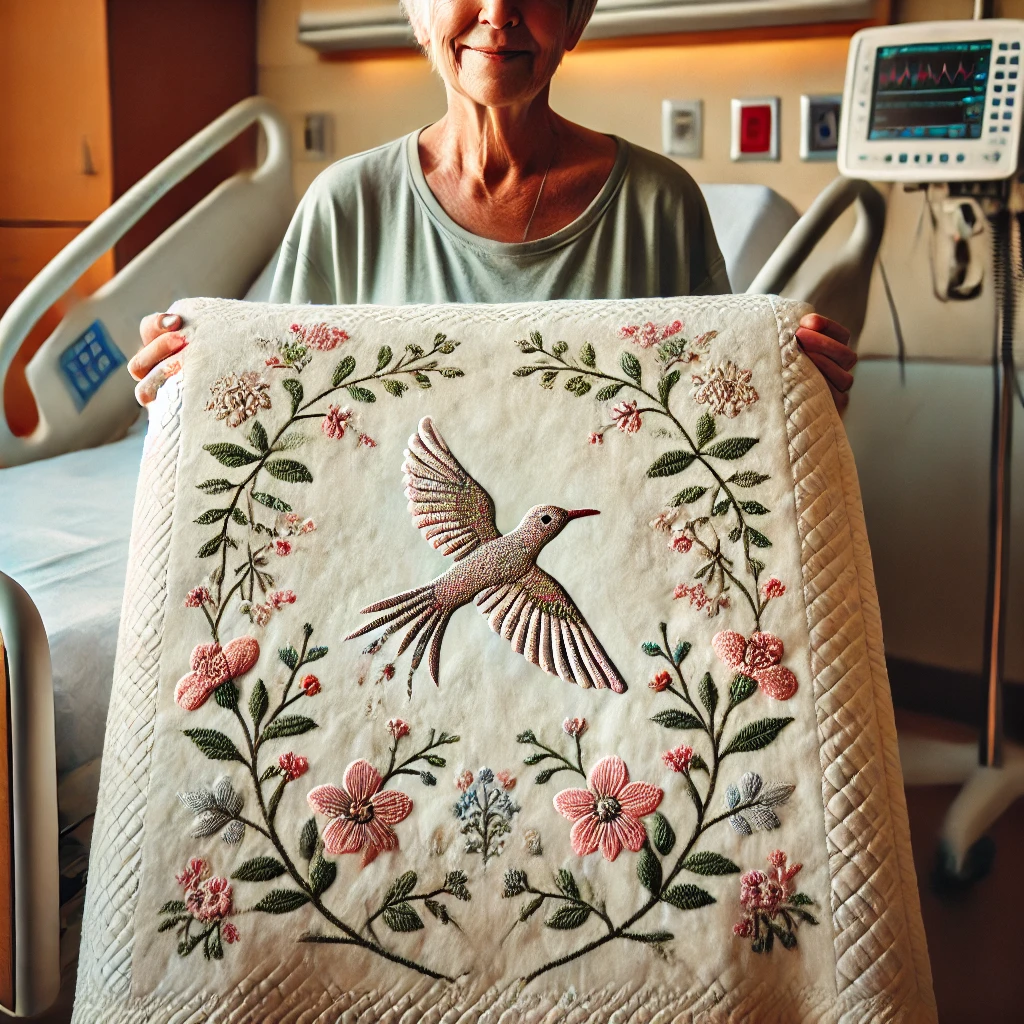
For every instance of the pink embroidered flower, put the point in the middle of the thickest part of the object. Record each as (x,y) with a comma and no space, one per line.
(197,597)
(663,521)
(210,901)
(195,871)
(464,780)
(277,598)
(398,728)
(574,727)
(757,658)
(321,336)
(308,526)
(698,598)
(596,437)
(310,685)
(681,542)
(648,334)
(282,547)
(293,766)
(773,588)
(765,896)
(678,759)
(506,778)
(335,422)
(361,814)
(661,681)
(259,613)
(273,361)
(607,814)
(725,389)
(626,417)
(388,671)
(229,933)
(366,441)
(212,666)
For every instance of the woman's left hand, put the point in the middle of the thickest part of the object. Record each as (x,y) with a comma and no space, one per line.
(828,346)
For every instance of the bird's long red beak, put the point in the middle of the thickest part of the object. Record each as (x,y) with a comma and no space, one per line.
(579,513)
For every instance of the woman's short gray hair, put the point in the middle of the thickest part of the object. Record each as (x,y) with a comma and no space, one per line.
(579,13)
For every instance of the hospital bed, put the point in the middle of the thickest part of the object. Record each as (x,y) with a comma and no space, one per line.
(68,487)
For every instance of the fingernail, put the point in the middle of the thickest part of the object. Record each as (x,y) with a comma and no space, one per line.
(169,321)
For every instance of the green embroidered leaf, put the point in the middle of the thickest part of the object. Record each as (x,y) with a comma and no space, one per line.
(214,949)
(231,455)
(434,761)
(698,764)
(804,916)
(722,507)
(756,736)
(531,908)
(239,517)
(559,348)
(414,350)
(400,888)
(214,515)
(289,656)
(173,922)
(342,370)
(579,386)
(648,870)
(735,533)
(651,649)
(567,917)
(226,695)
(545,776)
(451,372)
(215,486)
(272,771)
(759,540)
(271,502)
(402,918)
(705,862)
(674,719)
(631,367)
(395,387)
(289,470)
(740,689)
(535,758)
(258,436)
(178,907)
(706,429)
(588,357)
(314,654)
(648,937)
(211,547)
(801,899)
(704,570)
(525,371)
(731,447)
(422,379)
(688,495)
(259,869)
(308,837)
(187,945)
(681,651)
(670,463)
(322,873)
(294,388)
(665,386)
(383,357)
(282,901)
(442,344)
(748,478)
(754,508)
(288,725)
(290,441)
(607,393)
(548,378)
(439,910)
(567,884)
(215,745)
(756,566)
(662,834)
(275,800)
(708,695)
(687,897)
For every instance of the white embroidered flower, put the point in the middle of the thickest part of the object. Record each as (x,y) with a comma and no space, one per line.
(726,389)
(237,397)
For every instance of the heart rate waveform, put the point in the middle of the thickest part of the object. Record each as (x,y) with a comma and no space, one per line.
(934,73)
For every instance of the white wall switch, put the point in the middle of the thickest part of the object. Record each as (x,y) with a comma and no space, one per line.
(682,127)
(819,126)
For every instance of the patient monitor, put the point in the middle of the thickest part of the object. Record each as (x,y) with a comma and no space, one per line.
(933,102)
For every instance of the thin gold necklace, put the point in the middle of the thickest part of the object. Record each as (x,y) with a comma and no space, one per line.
(540,192)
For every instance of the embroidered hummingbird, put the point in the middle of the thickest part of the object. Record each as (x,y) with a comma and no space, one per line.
(523,603)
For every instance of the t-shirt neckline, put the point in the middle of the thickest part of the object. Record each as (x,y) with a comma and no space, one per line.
(538,245)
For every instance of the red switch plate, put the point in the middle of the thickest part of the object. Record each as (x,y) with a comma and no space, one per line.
(755,129)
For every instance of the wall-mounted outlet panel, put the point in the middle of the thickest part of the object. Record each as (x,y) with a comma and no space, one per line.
(682,127)
(755,128)
(819,126)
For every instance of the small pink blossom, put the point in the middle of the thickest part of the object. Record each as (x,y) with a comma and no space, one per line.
(663,521)
(307,527)
(292,765)
(335,422)
(260,614)
(678,759)
(279,597)
(696,594)
(574,727)
(282,547)
(506,778)
(274,361)
(661,681)
(596,437)
(310,685)
(197,597)
(322,337)
(388,671)
(398,727)
(366,441)
(210,901)
(648,334)
(229,933)
(626,417)
(607,814)
(773,588)
(291,518)
(464,780)
(757,658)
(195,871)
(681,542)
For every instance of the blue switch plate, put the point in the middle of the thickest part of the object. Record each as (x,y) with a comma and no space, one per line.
(88,361)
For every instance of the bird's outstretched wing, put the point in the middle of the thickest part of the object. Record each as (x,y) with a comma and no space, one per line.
(541,621)
(449,507)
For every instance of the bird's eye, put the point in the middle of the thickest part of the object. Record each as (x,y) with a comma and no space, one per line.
(545,519)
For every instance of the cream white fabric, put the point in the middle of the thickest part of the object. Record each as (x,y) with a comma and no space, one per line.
(827,790)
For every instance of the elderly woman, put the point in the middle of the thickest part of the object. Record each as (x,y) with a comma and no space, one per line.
(500,200)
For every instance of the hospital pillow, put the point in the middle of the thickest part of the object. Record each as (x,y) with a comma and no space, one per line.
(402,726)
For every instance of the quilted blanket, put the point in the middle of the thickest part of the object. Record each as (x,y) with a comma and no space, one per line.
(500,663)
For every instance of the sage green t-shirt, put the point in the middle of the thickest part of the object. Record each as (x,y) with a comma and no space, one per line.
(369,230)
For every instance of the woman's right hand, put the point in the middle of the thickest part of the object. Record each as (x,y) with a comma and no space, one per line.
(160,356)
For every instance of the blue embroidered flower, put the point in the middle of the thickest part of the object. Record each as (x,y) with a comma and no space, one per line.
(486,811)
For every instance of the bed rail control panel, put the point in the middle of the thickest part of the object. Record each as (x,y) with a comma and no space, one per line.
(933,101)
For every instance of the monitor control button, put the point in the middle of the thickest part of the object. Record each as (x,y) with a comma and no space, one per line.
(943,158)
(959,158)
(903,158)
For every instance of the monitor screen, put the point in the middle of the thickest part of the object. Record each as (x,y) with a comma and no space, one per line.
(930,91)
